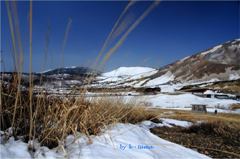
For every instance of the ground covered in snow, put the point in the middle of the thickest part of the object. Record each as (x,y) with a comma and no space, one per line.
(176,100)
(182,101)
(118,141)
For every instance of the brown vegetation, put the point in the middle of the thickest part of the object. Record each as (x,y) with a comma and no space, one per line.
(50,119)
(234,106)
(195,117)
(216,136)
(216,139)
(54,118)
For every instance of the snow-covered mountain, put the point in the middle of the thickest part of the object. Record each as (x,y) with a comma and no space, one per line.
(220,63)
(128,71)
(59,78)
(125,76)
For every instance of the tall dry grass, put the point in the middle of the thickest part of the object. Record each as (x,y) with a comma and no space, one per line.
(51,119)
(54,118)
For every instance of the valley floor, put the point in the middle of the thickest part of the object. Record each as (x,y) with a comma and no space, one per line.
(138,141)
(165,137)
(175,101)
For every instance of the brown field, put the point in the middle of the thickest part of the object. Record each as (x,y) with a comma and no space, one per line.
(194,117)
(216,136)
(235,106)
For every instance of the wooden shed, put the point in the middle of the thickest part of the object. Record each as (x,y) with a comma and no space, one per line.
(199,108)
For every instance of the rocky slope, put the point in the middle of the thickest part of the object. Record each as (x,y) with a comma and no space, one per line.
(221,62)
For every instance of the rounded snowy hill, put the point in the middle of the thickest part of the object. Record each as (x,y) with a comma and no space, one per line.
(128,71)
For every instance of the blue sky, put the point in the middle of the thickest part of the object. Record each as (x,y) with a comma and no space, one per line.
(170,32)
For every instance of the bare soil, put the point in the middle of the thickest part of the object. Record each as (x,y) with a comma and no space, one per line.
(210,144)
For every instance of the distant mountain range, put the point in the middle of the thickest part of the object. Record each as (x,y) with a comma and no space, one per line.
(56,78)
(219,63)
(74,70)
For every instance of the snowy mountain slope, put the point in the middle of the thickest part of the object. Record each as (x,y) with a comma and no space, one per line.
(126,76)
(220,63)
(167,77)
(128,71)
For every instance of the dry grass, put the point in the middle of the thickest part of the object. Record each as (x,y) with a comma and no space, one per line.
(216,136)
(55,118)
(195,117)
(216,139)
(227,86)
(50,120)
(218,128)
(234,106)
(228,131)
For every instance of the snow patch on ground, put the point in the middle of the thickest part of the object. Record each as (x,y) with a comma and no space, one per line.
(176,122)
(14,149)
(165,122)
(185,101)
(120,141)
(149,124)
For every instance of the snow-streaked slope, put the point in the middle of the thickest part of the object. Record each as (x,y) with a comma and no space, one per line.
(167,77)
(211,50)
(221,63)
(126,76)
(120,141)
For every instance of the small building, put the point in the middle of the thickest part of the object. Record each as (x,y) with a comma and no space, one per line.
(199,108)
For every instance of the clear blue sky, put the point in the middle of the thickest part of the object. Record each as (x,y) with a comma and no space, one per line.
(170,32)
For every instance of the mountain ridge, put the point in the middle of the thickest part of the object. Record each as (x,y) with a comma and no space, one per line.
(218,63)
(221,62)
